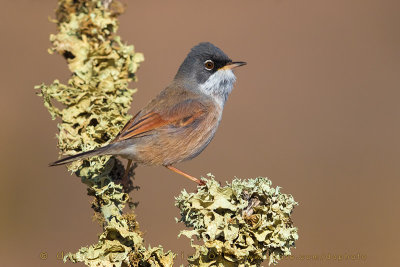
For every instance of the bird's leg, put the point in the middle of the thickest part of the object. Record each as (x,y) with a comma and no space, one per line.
(194,179)
(125,178)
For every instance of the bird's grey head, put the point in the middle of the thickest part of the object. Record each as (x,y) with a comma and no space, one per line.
(208,69)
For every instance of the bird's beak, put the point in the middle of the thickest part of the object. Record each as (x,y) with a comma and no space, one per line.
(232,65)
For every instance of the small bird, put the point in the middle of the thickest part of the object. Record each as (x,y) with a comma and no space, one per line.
(179,123)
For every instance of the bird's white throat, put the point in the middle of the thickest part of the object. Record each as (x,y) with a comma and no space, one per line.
(219,85)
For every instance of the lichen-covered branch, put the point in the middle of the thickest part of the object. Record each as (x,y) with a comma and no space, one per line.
(95,104)
(240,224)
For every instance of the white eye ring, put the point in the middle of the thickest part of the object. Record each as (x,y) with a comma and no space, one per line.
(209,64)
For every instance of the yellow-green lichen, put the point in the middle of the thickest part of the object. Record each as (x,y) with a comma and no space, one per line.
(93,107)
(121,246)
(240,224)
(96,98)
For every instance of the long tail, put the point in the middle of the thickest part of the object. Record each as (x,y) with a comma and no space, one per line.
(83,155)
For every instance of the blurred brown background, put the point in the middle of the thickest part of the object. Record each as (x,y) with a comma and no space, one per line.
(316,110)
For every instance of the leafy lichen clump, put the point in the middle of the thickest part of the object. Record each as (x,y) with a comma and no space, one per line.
(240,224)
(95,104)
(96,99)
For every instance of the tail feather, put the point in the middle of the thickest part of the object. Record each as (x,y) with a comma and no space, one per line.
(83,155)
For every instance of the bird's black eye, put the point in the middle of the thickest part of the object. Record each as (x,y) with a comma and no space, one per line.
(209,64)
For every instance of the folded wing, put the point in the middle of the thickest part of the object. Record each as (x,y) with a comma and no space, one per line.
(181,114)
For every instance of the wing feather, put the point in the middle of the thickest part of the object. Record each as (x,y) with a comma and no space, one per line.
(181,114)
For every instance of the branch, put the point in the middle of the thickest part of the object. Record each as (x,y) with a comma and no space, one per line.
(96,101)
(240,224)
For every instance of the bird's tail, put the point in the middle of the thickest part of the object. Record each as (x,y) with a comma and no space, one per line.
(83,155)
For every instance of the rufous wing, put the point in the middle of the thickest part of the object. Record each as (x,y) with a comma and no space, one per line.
(180,115)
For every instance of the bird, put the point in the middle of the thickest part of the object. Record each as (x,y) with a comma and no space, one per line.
(179,123)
